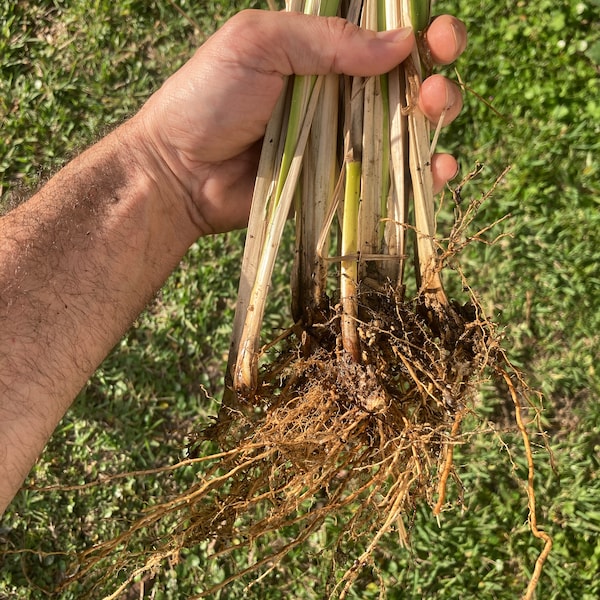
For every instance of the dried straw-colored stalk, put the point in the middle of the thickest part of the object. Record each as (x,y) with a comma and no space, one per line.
(277,177)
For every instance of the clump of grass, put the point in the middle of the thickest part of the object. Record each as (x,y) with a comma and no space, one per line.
(353,412)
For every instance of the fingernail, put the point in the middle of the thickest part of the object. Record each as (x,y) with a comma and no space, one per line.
(455,172)
(459,31)
(395,35)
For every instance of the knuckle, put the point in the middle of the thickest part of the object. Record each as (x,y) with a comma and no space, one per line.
(340,32)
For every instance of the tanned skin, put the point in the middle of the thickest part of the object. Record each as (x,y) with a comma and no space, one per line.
(82,257)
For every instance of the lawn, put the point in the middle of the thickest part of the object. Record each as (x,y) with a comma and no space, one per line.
(71,70)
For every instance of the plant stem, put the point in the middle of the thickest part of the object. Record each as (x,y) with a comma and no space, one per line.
(349,263)
(428,276)
(269,228)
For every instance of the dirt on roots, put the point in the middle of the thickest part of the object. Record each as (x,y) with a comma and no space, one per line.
(325,436)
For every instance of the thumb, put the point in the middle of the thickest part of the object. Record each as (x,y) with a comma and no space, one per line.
(294,43)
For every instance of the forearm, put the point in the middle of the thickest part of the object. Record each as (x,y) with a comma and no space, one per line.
(78,262)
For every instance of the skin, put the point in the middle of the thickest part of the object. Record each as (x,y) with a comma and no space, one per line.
(82,257)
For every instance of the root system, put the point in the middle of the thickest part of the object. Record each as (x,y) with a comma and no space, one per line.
(324,437)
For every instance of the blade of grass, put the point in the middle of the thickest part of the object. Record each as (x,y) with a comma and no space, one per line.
(245,376)
(375,164)
(350,220)
(269,165)
(318,183)
(400,189)
(320,165)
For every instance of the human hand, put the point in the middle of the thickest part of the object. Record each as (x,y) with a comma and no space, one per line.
(206,123)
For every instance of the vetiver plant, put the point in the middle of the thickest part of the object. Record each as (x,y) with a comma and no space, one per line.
(353,412)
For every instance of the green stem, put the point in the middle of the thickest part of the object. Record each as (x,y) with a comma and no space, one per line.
(302,89)
(349,263)
(420,14)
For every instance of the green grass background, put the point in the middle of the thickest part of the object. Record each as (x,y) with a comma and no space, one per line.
(72,69)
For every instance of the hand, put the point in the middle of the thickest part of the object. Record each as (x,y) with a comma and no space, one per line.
(206,123)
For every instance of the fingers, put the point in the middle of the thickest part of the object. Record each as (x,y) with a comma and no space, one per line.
(440,98)
(446,38)
(361,52)
(309,45)
(444,168)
